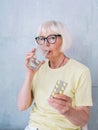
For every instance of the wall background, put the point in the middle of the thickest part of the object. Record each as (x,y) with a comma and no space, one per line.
(19,20)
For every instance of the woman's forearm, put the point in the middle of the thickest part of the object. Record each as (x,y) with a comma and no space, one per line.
(78,116)
(25,96)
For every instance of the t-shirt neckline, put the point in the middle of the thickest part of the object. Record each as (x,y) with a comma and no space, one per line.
(59,68)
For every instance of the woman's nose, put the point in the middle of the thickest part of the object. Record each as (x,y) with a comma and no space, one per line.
(46,43)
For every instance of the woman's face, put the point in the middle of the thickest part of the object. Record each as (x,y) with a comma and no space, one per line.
(52,50)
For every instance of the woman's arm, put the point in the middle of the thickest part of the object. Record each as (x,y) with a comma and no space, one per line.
(78,116)
(25,96)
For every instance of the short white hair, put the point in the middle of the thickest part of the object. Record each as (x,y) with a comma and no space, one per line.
(56,27)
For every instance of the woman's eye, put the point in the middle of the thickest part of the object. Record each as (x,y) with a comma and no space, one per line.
(42,38)
(52,37)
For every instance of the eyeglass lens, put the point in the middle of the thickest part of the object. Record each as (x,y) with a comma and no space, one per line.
(50,39)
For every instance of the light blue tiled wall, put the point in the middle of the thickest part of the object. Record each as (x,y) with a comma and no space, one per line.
(19,20)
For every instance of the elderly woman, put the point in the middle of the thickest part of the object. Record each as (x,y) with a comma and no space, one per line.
(66,108)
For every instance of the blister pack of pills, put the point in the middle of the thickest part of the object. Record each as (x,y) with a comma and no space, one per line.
(59,87)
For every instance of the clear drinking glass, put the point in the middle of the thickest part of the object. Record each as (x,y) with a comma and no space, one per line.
(37,59)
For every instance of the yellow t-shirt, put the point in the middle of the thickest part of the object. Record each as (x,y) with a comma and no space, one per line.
(78,79)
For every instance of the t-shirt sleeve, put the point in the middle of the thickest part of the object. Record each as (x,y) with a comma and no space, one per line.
(83,95)
(33,85)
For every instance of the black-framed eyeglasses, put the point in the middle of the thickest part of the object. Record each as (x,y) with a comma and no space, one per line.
(51,39)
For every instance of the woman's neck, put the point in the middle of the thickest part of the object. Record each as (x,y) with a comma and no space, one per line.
(58,61)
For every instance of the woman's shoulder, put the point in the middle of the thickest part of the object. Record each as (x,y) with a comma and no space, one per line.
(77,65)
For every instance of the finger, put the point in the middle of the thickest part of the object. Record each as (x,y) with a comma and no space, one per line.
(33,50)
(40,64)
(63,97)
(55,105)
(59,101)
(61,106)
(29,56)
(56,101)
(30,53)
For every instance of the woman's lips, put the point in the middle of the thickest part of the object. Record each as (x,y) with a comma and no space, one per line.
(49,52)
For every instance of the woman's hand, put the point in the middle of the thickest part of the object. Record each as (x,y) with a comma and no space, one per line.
(62,103)
(27,60)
